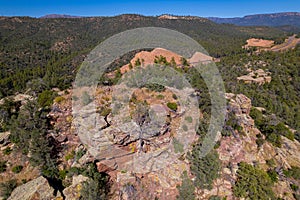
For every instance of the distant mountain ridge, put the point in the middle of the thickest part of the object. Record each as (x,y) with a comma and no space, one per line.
(273,19)
(51,16)
(285,19)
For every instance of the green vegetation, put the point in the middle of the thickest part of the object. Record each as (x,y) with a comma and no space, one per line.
(184,127)
(186,189)
(155,87)
(7,151)
(294,187)
(3,166)
(231,124)
(269,129)
(70,155)
(280,96)
(214,198)
(173,106)
(178,147)
(137,63)
(97,187)
(273,175)
(253,183)
(57,67)
(79,154)
(45,98)
(8,110)
(293,172)
(105,111)
(160,96)
(59,99)
(205,169)
(189,119)
(271,163)
(6,188)
(29,132)
(259,140)
(17,169)
(184,61)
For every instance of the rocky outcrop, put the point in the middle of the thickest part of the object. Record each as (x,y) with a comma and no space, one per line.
(73,192)
(4,138)
(36,189)
(199,57)
(283,190)
(259,77)
(254,42)
(289,152)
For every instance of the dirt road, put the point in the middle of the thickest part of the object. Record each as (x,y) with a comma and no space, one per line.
(289,43)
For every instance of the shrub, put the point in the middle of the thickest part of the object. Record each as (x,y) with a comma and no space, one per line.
(45,98)
(178,147)
(184,61)
(155,87)
(79,154)
(294,187)
(283,130)
(260,141)
(273,175)
(6,188)
(294,172)
(24,181)
(105,111)
(97,186)
(184,127)
(17,169)
(3,166)
(217,145)
(137,62)
(271,162)
(296,196)
(70,156)
(59,99)
(74,171)
(174,96)
(186,189)
(214,197)
(253,183)
(7,151)
(205,169)
(275,139)
(62,174)
(160,96)
(172,106)
(189,119)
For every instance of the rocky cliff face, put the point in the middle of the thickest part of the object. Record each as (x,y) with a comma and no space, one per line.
(241,147)
(136,175)
(35,189)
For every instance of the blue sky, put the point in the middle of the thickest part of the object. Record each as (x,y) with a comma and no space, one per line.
(205,8)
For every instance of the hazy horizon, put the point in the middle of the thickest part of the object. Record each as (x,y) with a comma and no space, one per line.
(201,8)
(71,15)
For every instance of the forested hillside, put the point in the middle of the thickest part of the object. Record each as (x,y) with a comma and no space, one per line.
(274,19)
(52,49)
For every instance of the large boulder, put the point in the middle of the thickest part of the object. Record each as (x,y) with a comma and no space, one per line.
(244,103)
(4,138)
(73,191)
(37,189)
